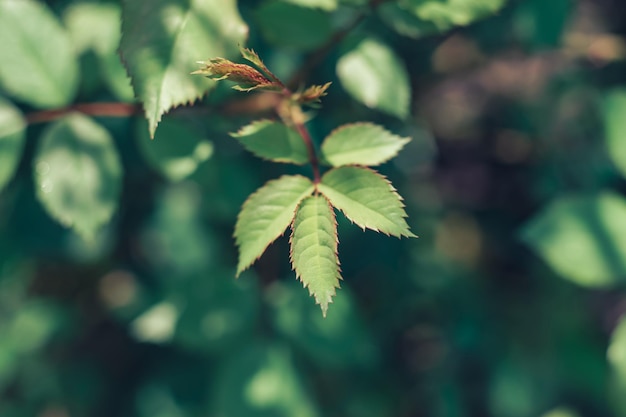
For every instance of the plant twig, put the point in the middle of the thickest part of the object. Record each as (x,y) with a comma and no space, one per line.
(92,109)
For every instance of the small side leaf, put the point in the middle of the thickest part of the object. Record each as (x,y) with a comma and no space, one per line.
(273,141)
(373,74)
(367,199)
(12,136)
(78,174)
(313,94)
(266,214)
(314,249)
(361,144)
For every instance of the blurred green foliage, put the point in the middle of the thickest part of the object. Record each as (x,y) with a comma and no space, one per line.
(511,303)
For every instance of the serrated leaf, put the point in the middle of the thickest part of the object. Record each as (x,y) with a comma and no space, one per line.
(374,75)
(314,249)
(367,199)
(96,28)
(12,139)
(582,238)
(361,144)
(78,174)
(38,64)
(292,26)
(162,41)
(273,141)
(176,150)
(446,14)
(266,214)
(614,112)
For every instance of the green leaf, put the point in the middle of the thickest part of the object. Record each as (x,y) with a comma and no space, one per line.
(96,28)
(374,75)
(12,138)
(328,5)
(367,199)
(361,144)
(176,150)
(582,238)
(78,174)
(449,13)
(614,114)
(314,249)
(293,26)
(273,141)
(38,64)
(163,39)
(266,214)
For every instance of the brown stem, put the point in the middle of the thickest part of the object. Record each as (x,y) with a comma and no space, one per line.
(92,109)
(313,160)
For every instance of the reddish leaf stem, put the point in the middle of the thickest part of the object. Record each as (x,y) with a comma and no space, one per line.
(313,160)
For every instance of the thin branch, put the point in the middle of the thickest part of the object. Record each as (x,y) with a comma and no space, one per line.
(92,109)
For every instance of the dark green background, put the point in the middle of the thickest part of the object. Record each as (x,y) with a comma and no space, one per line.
(466,321)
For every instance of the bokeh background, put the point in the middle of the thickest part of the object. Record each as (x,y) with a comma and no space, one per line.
(508,305)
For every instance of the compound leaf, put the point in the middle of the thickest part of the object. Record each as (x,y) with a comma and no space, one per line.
(361,144)
(266,214)
(78,174)
(161,40)
(38,64)
(314,249)
(367,199)
(582,238)
(12,138)
(374,75)
(273,141)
